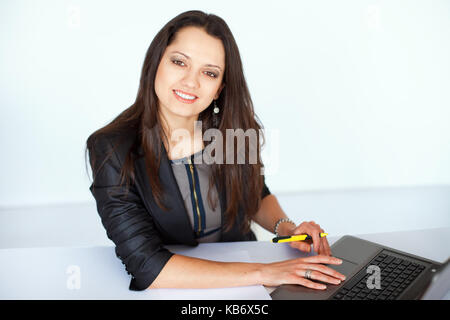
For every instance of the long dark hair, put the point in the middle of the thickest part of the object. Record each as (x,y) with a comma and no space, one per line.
(243,182)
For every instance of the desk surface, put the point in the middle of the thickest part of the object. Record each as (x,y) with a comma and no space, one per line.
(44,273)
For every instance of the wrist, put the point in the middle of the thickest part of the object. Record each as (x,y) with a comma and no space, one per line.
(259,273)
(284,227)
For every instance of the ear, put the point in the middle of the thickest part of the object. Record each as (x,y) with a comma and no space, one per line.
(219,91)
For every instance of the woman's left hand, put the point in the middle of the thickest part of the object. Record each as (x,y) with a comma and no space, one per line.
(311,228)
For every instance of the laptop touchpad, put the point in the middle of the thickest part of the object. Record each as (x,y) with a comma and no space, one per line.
(346,268)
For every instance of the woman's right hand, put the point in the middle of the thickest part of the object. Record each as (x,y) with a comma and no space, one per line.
(293,272)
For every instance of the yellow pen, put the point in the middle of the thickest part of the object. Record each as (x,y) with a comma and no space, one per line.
(297,237)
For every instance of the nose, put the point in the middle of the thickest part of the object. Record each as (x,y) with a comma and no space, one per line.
(190,79)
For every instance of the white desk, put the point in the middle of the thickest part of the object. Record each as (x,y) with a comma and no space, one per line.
(372,210)
(41,273)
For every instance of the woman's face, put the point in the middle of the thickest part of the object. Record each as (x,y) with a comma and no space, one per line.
(192,66)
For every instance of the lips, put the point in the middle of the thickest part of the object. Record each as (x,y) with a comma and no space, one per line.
(184,96)
(186,93)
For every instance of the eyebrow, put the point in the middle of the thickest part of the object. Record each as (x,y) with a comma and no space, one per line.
(208,65)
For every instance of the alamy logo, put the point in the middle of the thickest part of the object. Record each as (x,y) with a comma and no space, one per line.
(233,140)
(374,280)
(74,280)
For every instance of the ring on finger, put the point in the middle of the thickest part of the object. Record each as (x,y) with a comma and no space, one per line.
(308,274)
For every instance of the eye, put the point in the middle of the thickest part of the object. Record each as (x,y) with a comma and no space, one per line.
(211,74)
(182,64)
(178,62)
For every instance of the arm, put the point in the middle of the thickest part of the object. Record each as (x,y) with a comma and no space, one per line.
(126,221)
(186,272)
(269,213)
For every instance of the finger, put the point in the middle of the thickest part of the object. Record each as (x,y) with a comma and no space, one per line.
(321,259)
(322,250)
(311,284)
(316,239)
(319,276)
(302,246)
(326,246)
(325,270)
(312,229)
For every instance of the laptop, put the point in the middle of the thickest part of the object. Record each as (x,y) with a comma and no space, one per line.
(376,272)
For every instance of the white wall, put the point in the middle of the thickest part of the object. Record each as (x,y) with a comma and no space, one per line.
(357,91)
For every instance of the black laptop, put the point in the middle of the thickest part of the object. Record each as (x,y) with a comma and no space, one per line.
(373,272)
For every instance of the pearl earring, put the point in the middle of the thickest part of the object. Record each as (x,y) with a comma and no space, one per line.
(216,108)
(215,117)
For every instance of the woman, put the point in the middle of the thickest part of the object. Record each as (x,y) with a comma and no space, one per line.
(151,190)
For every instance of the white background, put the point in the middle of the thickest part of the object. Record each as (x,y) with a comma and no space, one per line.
(356,92)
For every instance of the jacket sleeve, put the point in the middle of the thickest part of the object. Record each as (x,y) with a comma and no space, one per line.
(127,222)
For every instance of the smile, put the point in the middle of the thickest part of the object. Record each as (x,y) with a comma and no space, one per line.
(183,97)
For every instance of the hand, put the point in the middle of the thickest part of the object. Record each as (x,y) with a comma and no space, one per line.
(293,272)
(321,245)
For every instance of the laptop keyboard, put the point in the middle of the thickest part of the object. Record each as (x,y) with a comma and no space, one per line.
(396,275)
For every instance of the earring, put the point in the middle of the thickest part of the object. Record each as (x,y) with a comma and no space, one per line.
(215,115)
(216,108)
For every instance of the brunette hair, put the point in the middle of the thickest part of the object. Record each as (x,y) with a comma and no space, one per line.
(243,182)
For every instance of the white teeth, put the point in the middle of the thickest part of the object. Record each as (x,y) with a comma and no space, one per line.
(185,96)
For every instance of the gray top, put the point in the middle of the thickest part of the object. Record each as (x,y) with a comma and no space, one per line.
(192,176)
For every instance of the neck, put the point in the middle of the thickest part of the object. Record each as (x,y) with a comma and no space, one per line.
(183,137)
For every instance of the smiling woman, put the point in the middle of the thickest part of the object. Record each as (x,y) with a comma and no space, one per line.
(147,199)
